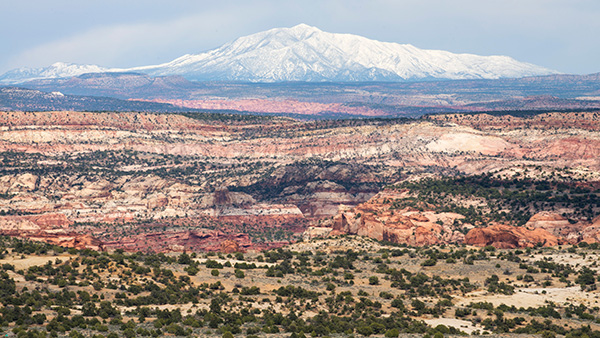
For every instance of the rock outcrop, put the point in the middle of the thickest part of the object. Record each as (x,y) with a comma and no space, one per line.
(68,240)
(591,232)
(201,240)
(556,225)
(229,246)
(379,220)
(510,237)
(571,232)
(50,228)
(316,232)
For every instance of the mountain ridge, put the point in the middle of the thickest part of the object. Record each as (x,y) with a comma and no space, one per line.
(24,99)
(306,53)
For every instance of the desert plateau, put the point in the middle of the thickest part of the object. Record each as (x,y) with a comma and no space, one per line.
(204,224)
(333,169)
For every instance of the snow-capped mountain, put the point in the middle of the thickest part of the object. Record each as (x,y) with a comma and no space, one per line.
(305,53)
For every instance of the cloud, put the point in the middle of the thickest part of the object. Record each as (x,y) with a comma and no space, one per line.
(125,45)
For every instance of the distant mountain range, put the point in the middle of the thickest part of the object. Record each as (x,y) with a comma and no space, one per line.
(15,98)
(119,85)
(115,91)
(305,53)
(142,86)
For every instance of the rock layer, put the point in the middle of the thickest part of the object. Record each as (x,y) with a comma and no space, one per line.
(510,237)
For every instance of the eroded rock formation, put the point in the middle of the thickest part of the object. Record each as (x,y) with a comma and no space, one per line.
(110,169)
(571,232)
(51,228)
(379,220)
(510,237)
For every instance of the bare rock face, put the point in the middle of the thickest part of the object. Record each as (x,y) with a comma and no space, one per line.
(591,233)
(582,120)
(323,198)
(316,232)
(50,228)
(546,219)
(18,224)
(229,246)
(50,220)
(556,225)
(184,241)
(571,232)
(24,182)
(34,223)
(376,219)
(509,237)
(224,198)
(157,201)
(69,240)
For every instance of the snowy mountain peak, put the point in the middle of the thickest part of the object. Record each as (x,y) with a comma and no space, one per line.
(305,53)
(300,31)
(303,28)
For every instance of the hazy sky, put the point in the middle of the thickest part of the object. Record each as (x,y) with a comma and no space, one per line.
(560,34)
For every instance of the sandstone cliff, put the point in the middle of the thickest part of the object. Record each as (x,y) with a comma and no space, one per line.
(510,237)
(379,220)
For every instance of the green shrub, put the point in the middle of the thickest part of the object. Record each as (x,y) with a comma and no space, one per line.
(392,333)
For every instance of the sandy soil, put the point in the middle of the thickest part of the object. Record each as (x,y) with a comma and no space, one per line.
(232,261)
(182,307)
(337,244)
(533,297)
(462,325)
(25,263)
(572,259)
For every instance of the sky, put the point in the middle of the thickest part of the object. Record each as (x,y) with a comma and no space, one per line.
(563,35)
